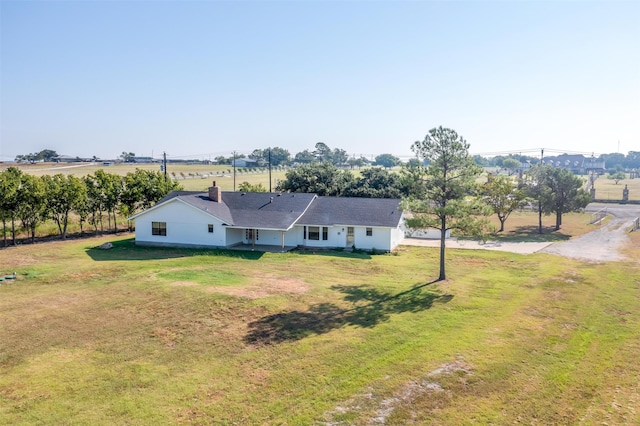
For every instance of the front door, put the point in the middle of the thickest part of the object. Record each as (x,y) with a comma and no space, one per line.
(350,237)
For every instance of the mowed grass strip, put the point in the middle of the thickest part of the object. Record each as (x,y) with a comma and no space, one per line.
(148,335)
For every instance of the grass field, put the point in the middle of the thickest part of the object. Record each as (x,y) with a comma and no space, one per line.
(192,177)
(138,335)
(606,189)
(523,226)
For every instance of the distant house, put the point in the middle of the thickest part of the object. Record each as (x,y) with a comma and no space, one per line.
(578,164)
(277,220)
(246,162)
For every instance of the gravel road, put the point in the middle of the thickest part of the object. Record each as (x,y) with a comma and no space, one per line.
(600,245)
(604,243)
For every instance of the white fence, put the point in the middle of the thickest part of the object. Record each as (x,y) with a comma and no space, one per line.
(598,216)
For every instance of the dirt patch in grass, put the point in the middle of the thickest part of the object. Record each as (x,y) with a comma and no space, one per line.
(402,399)
(263,286)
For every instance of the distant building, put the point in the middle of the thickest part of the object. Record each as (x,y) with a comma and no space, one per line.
(143,160)
(578,164)
(246,162)
(70,159)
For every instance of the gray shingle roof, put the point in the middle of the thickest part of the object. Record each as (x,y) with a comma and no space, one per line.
(326,211)
(265,210)
(251,209)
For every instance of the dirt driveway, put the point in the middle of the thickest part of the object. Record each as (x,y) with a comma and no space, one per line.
(600,245)
(604,243)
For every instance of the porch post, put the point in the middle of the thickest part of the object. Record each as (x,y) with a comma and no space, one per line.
(282,240)
(253,239)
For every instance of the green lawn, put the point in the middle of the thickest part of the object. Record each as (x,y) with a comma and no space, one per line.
(154,336)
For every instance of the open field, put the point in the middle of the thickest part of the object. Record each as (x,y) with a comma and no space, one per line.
(192,177)
(606,189)
(523,226)
(154,336)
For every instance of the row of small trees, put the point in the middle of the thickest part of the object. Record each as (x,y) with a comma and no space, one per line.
(28,201)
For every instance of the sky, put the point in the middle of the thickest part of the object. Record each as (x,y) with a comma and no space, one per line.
(198,79)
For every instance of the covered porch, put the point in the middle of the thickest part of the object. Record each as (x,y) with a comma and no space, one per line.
(262,247)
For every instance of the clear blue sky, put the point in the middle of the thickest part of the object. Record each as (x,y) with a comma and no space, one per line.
(98,78)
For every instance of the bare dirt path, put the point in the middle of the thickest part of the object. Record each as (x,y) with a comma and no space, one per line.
(604,243)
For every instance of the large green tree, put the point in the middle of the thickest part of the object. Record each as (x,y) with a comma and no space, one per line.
(450,179)
(511,164)
(503,196)
(412,178)
(375,182)
(9,185)
(566,193)
(63,194)
(304,157)
(278,156)
(248,187)
(31,203)
(95,202)
(538,190)
(387,160)
(319,178)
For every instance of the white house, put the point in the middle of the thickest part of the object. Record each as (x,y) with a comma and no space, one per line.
(280,220)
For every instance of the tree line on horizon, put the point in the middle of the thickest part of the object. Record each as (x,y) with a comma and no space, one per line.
(276,156)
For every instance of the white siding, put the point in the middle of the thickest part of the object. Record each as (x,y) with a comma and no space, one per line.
(397,235)
(185,226)
(384,239)
(379,240)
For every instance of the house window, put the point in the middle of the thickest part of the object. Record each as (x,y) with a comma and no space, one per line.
(325,233)
(314,233)
(159,228)
(210,228)
(369,232)
(248,234)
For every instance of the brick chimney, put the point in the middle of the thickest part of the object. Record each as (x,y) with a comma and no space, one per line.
(215,193)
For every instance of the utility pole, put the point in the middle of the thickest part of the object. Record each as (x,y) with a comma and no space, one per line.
(234,171)
(269,169)
(539,192)
(164,164)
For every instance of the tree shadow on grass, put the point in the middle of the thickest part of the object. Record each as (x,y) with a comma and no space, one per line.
(530,234)
(128,250)
(373,307)
(334,253)
(527,234)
